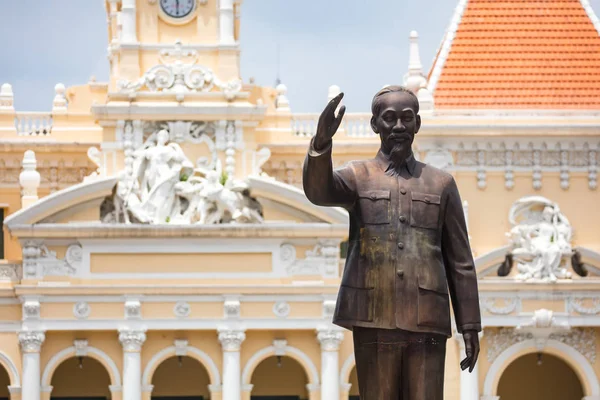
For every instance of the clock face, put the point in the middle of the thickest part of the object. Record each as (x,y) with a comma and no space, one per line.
(177,8)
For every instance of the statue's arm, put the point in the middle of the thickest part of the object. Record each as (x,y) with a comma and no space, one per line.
(459,264)
(324,186)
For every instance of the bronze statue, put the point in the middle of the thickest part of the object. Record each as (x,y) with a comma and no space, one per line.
(408,251)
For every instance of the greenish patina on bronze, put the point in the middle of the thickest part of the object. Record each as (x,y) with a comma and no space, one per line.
(408,254)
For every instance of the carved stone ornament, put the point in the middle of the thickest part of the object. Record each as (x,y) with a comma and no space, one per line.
(501,339)
(37,258)
(81,347)
(322,260)
(31,309)
(439,158)
(232,308)
(330,339)
(281,309)
(181,347)
(329,308)
(182,309)
(501,306)
(280,346)
(160,185)
(132,341)
(540,238)
(133,309)
(585,305)
(10,272)
(231,340)
(31,341)
(178,73)
(581,339)
(81,310)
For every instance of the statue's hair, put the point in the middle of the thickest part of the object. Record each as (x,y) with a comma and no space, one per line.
(376,104)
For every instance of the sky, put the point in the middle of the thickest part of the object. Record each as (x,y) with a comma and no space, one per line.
(359,45)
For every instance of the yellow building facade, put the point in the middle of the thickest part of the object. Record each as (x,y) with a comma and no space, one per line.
(157,242)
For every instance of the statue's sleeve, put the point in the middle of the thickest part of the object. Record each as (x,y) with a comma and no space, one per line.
(325,186)
(459,264)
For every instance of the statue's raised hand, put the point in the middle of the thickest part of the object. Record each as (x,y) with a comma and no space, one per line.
(329,123)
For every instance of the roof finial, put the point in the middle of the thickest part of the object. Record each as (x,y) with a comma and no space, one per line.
(415,78)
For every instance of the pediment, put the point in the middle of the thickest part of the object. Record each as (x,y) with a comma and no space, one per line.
(81,204)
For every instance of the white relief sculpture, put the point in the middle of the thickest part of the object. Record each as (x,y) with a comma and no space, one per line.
(182,309)
(281,309)
(51,265)
(166,188)
(259,158)
(501,306)
(541,239)
(322,260)
(81,310)
(178,73)
(95,157)
(439,158)
(578,304)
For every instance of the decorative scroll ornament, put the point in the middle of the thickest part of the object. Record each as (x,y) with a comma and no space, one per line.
(82,310)
(132,341)
(508,305)
(31,341)
(501,339)
(179,74)
(231,340)
(578,305)
(40,258)
(541,239)
(330,339)
(182,309)
(322,260)
(161,186)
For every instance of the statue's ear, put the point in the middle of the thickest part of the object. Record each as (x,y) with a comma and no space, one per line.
(418,124)
(373,126)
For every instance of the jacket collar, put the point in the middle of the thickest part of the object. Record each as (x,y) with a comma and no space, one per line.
(386,164)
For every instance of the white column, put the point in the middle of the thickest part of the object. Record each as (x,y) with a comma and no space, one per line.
(31,344)
(231,341)
(469,381)
(132,342)
(128,20)
(226,22)
(330,340)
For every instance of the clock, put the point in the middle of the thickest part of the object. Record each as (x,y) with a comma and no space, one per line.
(177,8)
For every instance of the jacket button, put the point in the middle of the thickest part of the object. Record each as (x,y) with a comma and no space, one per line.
(402,219)
(402,190)
(400,245)
(400,273)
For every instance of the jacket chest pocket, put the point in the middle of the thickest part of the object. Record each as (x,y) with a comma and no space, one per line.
(425,210)
(375,206)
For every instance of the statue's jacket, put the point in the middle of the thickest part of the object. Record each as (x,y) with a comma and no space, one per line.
(408,249)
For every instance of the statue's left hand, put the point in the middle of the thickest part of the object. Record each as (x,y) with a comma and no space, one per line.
(471,339)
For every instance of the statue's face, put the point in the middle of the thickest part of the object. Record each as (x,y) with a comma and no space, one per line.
(162,138)
(397,124)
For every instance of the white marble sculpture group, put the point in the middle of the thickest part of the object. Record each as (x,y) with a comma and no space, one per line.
(541,239)
(165,187)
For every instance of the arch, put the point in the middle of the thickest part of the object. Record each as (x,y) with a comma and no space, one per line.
(572,357)
(296,354)
(347,370)
(11,368)
(195,353)
(93,352)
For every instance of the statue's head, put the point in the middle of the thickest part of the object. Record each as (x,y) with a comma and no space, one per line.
(162,137)
(396,119)
(548,213)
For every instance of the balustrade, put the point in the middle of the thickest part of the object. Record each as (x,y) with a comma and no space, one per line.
(33,124)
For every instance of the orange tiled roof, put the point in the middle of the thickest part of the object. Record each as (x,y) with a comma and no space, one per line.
(515,54)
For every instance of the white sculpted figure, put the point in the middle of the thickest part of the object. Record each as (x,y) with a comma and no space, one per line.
(164,188)
(157,168)
(541,239)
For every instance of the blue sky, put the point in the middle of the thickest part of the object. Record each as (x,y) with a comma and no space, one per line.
(359,45)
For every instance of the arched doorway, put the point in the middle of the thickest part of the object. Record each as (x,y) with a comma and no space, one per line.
(180,378)
(279,378)
(539,376)
(353,395)
(80,378)
(4,384)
